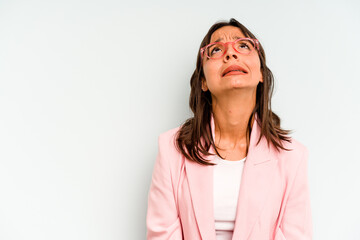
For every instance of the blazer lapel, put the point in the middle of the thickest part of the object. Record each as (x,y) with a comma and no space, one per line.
(200,180)
(256,182)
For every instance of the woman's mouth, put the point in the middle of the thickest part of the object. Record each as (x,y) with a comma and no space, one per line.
(234,72)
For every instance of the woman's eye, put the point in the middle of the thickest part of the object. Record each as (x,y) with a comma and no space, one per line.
(215,50)
(244,45)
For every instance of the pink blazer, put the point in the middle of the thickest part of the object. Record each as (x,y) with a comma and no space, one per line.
(273,204)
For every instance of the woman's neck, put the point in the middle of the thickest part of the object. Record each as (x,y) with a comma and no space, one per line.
(231,117)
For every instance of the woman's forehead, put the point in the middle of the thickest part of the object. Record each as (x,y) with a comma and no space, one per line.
(227,33)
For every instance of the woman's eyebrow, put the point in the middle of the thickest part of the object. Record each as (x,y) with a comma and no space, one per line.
(219,39)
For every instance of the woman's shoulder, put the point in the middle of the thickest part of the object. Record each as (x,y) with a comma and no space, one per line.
(169,136)
(295,145)
(296,154)
(171,133)
(167,141)
(169,152)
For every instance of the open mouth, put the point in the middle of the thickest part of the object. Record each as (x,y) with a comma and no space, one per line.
(241,71)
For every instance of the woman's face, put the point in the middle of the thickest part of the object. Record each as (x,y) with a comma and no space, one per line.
(219,84)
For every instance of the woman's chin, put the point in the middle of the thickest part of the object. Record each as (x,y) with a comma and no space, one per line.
(241,83)
(238,83)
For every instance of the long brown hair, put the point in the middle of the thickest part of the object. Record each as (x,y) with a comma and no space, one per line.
(195,137)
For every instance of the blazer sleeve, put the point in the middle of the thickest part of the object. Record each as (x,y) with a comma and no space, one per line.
(296,222)
(162,218)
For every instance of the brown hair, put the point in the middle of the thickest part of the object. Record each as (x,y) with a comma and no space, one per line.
(195,137)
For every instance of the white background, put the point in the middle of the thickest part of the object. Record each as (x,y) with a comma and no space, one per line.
(86,87)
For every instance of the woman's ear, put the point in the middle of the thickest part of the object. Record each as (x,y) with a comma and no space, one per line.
(261,79)
(204,85)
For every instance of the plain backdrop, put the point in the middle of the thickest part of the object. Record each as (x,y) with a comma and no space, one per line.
(86,87)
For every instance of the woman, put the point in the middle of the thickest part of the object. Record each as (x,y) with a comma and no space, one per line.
(230,172)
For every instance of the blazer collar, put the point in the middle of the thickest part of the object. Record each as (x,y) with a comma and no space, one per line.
(256,182)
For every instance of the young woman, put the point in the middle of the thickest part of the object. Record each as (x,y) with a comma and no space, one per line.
(230,171)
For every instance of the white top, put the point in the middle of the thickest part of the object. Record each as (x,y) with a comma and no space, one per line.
(227,178)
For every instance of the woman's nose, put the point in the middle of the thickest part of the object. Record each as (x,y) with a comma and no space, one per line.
(230,52)
(234,55)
